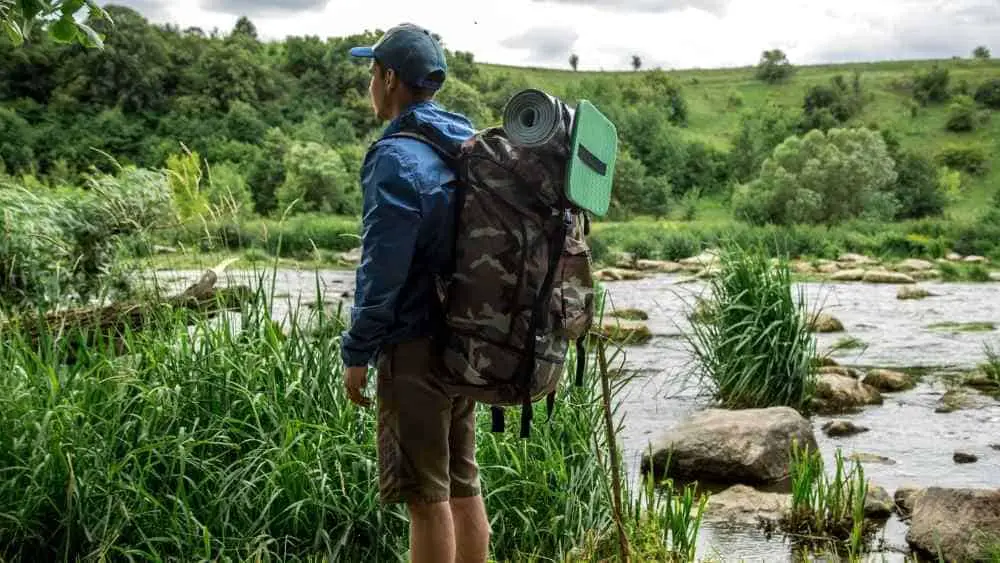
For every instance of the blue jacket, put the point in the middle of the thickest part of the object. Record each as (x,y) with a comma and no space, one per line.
(408,232)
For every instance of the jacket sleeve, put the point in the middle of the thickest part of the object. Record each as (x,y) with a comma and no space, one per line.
(391,217)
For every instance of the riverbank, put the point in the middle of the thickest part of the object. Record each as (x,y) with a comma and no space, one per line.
(912,436)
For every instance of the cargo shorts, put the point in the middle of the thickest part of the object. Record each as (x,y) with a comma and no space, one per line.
(426,436)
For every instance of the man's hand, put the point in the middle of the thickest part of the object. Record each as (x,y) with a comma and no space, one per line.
(355,378)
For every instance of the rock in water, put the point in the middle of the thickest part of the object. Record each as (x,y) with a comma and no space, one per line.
(957,523)
(905,497)
(838,428)
(749,446)
(626,332)
(658,266)
(741,504)
(841,370)
(882,276)
(887,380)
(878,503)
(617,274)
(907,292)
(914,265)
(964,457)
(851,258)
(837,393)
(825,323)
(854,274)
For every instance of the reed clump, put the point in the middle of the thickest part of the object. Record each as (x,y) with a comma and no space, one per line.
(752,343)
(827,509)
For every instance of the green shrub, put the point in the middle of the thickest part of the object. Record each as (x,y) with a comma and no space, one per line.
(988,94)
(918,187)
(932,86)
(316,180)
(61,245)
(821,178)
(753,345)
(971,159)
(961,115)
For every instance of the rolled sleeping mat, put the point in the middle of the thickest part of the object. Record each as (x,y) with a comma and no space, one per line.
(534,119)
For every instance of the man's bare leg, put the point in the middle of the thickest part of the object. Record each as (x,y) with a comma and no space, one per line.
(472,529)
(432,534)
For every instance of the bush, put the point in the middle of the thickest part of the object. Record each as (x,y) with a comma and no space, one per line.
(761,130)
(316,180)
(971,159)
(931,87)
(825,107)
(822,178)
(918,187)
(59,246)
(961,115)
(753,344)
(988,94)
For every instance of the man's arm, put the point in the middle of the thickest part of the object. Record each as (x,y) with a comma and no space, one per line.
(391,217)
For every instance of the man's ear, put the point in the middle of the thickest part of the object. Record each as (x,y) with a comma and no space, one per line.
(391,80)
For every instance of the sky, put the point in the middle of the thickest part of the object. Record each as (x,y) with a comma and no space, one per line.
(605,34)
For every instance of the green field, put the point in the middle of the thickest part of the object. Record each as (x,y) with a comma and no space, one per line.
(713,119)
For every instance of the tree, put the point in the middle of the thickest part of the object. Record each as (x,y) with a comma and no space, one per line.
(822,178)
(245,28)
(981,52)
(58,17)
(574,60)
(317,181)
(825,107)
(636,62)
(773,66)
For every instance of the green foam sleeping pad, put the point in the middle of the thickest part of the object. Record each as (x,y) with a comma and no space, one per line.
(591,168)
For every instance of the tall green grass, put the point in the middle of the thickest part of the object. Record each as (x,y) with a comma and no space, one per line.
(826,508)
(752,343)
(232,439)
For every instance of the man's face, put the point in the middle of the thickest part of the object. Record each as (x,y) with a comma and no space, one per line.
(379,90)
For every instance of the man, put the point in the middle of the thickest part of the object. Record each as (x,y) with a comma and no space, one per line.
(426,437)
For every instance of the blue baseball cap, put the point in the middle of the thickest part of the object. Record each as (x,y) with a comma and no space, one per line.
(412,53)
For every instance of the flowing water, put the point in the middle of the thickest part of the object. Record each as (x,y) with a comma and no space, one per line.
(917,442)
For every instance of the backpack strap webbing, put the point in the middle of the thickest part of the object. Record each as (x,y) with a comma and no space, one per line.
(498,420)
(581,360)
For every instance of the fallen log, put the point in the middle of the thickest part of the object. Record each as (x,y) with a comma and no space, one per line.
(90,326)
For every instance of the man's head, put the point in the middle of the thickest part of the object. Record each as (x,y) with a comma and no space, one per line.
(408,65)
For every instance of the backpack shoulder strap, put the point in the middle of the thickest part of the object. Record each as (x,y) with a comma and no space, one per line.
(448,157)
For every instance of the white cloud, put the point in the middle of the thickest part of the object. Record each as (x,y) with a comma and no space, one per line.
(689,33)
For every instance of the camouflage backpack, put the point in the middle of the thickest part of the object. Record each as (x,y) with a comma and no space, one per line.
(521,290)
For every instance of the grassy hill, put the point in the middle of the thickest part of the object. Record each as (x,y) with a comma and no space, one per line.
(714,118)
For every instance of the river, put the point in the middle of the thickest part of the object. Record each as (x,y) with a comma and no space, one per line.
(918,442)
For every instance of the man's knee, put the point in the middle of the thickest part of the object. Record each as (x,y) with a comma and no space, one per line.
(428,510)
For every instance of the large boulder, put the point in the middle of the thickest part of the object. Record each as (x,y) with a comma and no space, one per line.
(707,259)
(749,446)
(837,393)
(958,524)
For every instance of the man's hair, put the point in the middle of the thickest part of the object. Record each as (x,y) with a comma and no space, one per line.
(419,94)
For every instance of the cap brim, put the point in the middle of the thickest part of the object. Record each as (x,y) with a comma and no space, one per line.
(366,52)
